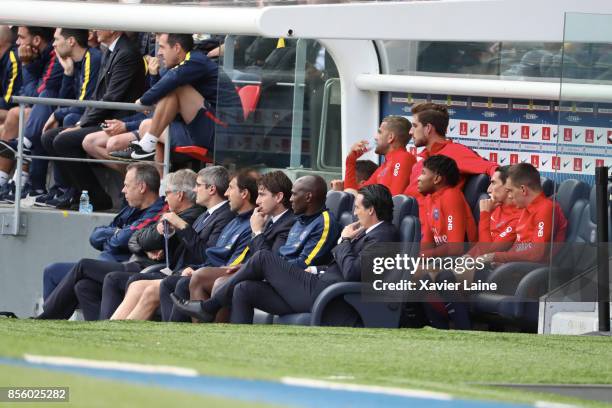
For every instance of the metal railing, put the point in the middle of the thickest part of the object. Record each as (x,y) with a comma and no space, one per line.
(15,222)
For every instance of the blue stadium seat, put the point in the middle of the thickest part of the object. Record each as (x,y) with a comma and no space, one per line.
(473,188)
(404,206)
(548,186)
(476,210)
(339,202)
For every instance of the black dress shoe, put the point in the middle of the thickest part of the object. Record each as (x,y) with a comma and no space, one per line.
(192,308)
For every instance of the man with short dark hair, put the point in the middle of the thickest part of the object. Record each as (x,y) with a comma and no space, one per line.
(429,124)
(391,140)
(186,98)
(42,77)
(446,218)
(269,283)
(141,188)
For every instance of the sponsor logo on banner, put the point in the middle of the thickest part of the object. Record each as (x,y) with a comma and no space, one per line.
(567,134)
(493,157)
(589,135)
(524,132)
(577,164)
(513,158)
(556,163)
(599,163)
(545,133)
(535,160)
(463,128)
(484,129)
(504,130)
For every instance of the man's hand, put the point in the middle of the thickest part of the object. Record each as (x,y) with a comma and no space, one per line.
(487,204)
(26,54)
(51,123)
(152,64)
(337,185)
(258,220)
(114,127)
(71,129)
(232,269)
(157,255)
(487,258)
(187,271)
(174,220)
(68,65)
(352,230)
(360,147)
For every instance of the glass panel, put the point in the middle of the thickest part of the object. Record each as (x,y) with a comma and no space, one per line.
(505,60)
(291,105)
(583,144)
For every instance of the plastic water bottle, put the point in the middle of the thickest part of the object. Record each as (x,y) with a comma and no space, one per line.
(84,206)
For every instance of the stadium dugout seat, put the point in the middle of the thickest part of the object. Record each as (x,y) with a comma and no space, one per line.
(521,283)
(371,314)
(404,206)
(548,186)
(249,96)
(340,203)
(473,188)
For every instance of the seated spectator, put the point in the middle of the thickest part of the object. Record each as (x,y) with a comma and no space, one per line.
(117,134)
(42,77)
(429,123)
(190,89)
(145,207)
(270,225)
(446,218)
(270,283)
(10,77)
(541,221)
(391,139)
(121,80)
(142,297)
(81,65)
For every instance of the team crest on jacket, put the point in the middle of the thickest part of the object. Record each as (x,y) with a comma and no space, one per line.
(436,214)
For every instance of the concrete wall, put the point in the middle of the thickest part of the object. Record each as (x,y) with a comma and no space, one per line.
(52,236)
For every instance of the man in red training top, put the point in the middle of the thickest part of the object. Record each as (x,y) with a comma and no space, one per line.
(446,218)
(429,123)
(541,221)
(498,217)
(391,139)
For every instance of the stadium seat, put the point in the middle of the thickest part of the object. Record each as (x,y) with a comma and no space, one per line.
(523,282)
(249,96)
(403,206)
(476,211)
(340,203)
(197,153)
(548,186)
(473,188)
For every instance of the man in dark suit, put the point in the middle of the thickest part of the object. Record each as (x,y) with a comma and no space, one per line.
(211,184)
(121,79)
(268,283)
(270,225)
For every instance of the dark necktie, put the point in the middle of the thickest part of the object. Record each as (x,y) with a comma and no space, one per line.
(200,222)
(268,226)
